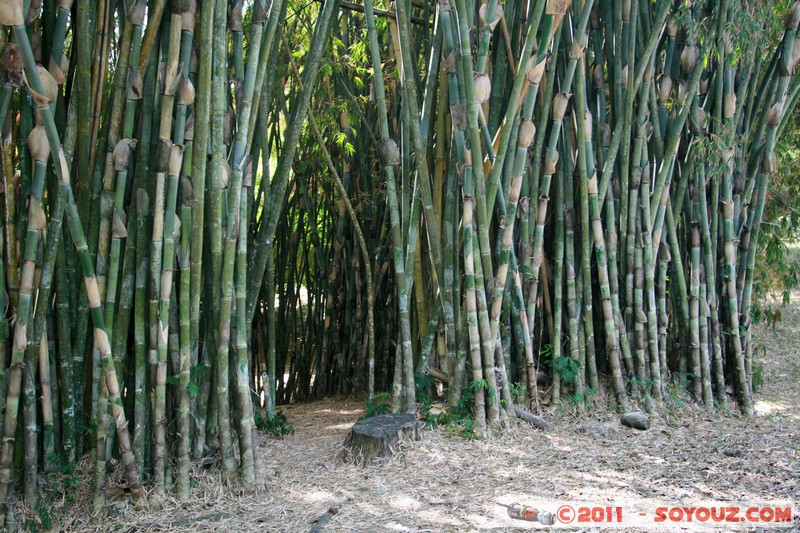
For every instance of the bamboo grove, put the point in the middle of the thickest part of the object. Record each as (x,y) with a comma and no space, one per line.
(214,208)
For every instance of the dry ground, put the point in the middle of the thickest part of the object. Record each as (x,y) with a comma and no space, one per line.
(446,483)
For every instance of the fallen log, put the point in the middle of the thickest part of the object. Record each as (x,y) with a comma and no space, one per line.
(636,420)
(379,437)
(531,418)
(438,374)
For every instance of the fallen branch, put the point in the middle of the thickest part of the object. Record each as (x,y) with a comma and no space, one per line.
(438,374)
(531,418)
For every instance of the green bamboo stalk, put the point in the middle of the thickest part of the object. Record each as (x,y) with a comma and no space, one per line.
(694,311)
(405,347)
(653,306)
(200,151)
(729,280)
(558,286)
(219,178)
(663,316)
(489,380)
(479,417)
(236,230)
(48,425)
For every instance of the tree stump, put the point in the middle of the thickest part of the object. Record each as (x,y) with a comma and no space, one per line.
(378,438)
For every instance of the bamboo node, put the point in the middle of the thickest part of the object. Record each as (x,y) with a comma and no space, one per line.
(626,10)
(703,85)
(775,114)
(122,153)
(482,88)
(49,87)
(188,18)
(535,71)
(526,134)
(37,219)
(557,7)
(560,106)
(38,144)
(672,27)
(449,62)
(729,106)
(587,124)
(135,86)
(118,225)
(550,164)
(260,11)
(136,12)
(163,154)
(175,159)
(188,133)
(768,163)
(62,163)
(576,50)
(185,92)
(792,19)
(665,89)
(689,58)
(598,77)
(235,16)
(524,207)
(490,19)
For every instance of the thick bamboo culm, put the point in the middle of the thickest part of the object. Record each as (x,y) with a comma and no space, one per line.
(214,208)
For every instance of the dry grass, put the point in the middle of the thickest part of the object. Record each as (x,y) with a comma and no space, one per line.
(446,483)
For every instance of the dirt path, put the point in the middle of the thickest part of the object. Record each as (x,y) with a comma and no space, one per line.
(445,483)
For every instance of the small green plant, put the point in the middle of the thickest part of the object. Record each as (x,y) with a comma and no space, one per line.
(279,425)
(44,517)
(61,479)
(567,367)
(483,384)
(461,426)
(758,376)
(518,392)
(380,404)
(546,352)
(457,421)
(424,387)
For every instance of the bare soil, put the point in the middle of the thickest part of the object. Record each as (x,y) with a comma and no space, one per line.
(446,483)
